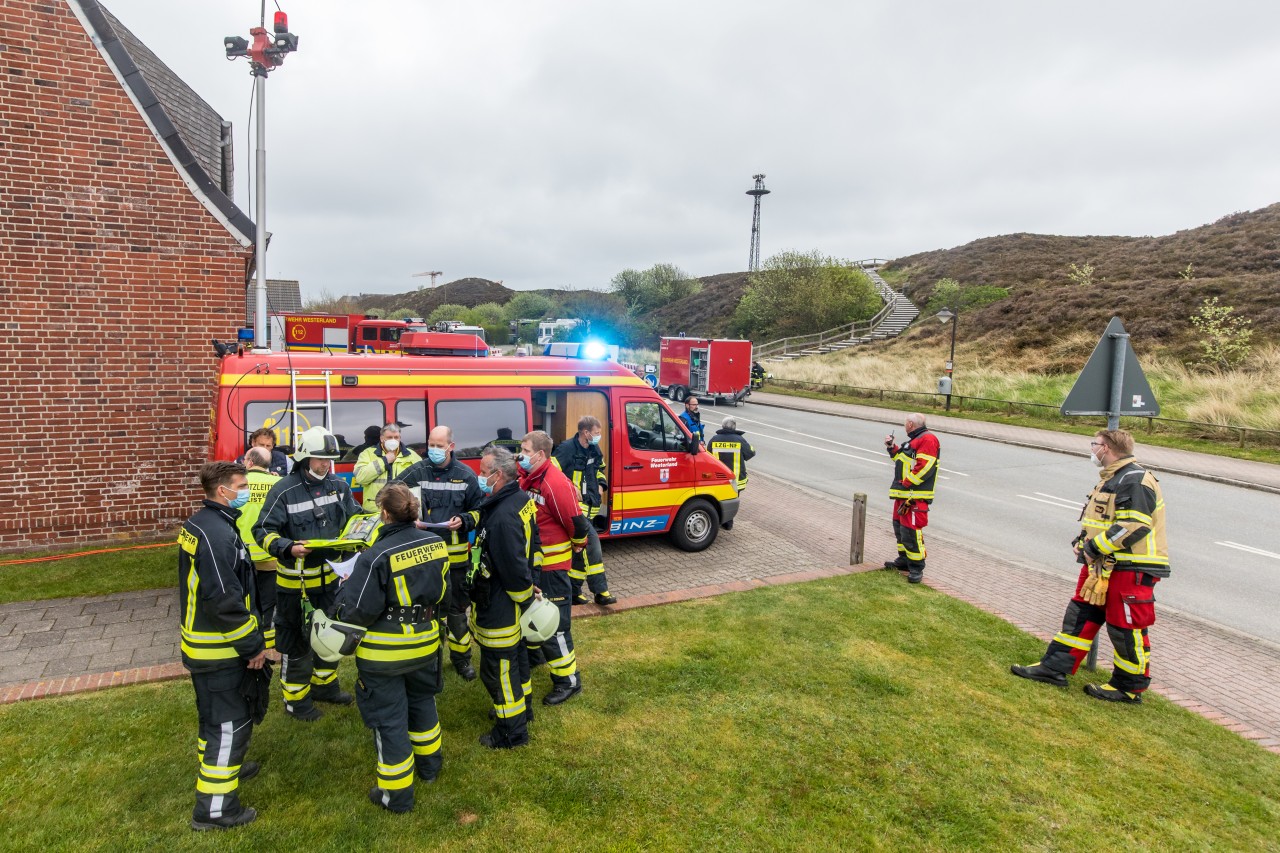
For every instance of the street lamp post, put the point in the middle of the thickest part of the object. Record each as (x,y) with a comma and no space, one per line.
(946,315)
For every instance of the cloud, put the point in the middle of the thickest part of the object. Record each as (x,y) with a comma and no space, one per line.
(559,142)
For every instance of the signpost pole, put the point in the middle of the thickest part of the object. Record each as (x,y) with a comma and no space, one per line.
(1119,343)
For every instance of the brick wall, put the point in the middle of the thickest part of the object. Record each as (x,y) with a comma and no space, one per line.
(113,278)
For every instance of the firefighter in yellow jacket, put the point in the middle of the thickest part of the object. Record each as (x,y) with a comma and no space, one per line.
(1121,546)
(221,640)
(257,461)
(380,464)
(394,592)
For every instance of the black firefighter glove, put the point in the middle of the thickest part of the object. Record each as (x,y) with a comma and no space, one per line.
(255,687)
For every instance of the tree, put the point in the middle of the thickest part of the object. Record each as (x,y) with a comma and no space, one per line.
(949,293)
(447,311)
(797,293)
(528,306)
(1225,338)
(326,303)
(644,290)
(1082,275)
(486,314)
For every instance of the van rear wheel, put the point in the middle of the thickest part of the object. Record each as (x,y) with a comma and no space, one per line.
(696,526)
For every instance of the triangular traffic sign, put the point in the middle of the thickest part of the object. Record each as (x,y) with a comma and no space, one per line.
(1092,393)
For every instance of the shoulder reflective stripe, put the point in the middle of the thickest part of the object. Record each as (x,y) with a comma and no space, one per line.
(443,487)
(300,507)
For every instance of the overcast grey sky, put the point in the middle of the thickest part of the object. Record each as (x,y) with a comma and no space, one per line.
(551,143)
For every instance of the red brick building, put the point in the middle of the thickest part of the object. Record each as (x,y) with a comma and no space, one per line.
(121,255)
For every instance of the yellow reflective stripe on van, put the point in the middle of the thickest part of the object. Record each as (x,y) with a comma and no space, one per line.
(480,379)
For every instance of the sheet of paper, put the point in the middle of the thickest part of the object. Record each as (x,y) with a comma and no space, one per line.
(434,525)
(343,568)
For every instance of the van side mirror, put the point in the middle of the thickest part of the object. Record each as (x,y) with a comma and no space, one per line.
(691,445)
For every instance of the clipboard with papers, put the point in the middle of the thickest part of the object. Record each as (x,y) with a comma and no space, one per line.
(360,532)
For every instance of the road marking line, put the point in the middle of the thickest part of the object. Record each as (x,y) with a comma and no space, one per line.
(828,440)
(1071,501)
(821,449)
(1250,550)
(1051,503)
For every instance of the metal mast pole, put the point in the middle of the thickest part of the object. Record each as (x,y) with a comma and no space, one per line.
(753,261)
(261,337)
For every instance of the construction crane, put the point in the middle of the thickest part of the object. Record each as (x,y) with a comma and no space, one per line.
(434,275)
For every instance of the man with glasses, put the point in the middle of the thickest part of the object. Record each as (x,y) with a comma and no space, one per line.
(1122,551)
(384,461)
(693,419)
(562,529)
(449,489)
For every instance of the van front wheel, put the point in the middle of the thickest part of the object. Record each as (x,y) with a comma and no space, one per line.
(696,526)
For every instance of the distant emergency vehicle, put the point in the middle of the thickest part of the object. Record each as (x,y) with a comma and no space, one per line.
(337,333)
(704,368)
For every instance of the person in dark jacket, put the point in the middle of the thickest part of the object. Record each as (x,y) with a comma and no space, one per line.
(221,640)
(393,591)
(449,489)
(733,450)
(310,503)
(507,539)
(266,439)
(582,462)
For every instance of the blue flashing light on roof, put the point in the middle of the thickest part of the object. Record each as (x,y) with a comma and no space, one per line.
(595,351)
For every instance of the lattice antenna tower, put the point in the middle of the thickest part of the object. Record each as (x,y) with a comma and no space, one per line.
(753,263)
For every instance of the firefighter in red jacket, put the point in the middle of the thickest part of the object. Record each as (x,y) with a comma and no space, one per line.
(915,468)
(1121,547)
(562,530)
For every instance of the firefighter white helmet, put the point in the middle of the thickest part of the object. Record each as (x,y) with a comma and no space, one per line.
(540,621)
(317,442)
(331,640)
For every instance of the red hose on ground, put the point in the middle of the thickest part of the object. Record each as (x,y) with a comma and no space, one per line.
(83,554)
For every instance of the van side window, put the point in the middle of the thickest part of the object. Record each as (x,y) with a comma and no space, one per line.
(350,417)
(651,427)
(475,423)
(411,415)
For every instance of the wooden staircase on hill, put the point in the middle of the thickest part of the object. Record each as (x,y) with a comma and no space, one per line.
(898,313)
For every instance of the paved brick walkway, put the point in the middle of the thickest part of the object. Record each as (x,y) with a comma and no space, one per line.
(784,534)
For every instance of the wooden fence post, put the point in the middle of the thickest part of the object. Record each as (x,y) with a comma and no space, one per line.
(858,533)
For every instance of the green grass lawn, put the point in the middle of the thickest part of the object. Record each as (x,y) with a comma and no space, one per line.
(848,714)
(97,574)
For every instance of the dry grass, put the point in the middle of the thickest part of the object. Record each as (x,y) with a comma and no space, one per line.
(1249,397)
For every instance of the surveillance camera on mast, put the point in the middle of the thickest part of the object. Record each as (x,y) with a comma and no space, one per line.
(268,50)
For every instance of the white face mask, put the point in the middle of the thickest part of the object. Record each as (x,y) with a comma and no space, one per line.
(391,445)
(1093,457)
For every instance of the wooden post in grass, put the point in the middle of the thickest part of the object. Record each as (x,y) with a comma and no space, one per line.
(858,533)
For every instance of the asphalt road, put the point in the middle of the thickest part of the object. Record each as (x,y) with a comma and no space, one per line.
(1021,506)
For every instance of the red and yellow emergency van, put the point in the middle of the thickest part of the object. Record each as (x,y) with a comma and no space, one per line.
(659,481)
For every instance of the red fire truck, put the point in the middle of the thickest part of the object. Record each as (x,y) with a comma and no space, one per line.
(700,367)
(337,333)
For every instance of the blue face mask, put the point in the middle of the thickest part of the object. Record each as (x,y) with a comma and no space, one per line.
(525,462)
(595,439)
(437,455)
(484,484)
(241,498)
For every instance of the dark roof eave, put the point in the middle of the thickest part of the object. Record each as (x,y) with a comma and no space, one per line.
(153,112)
